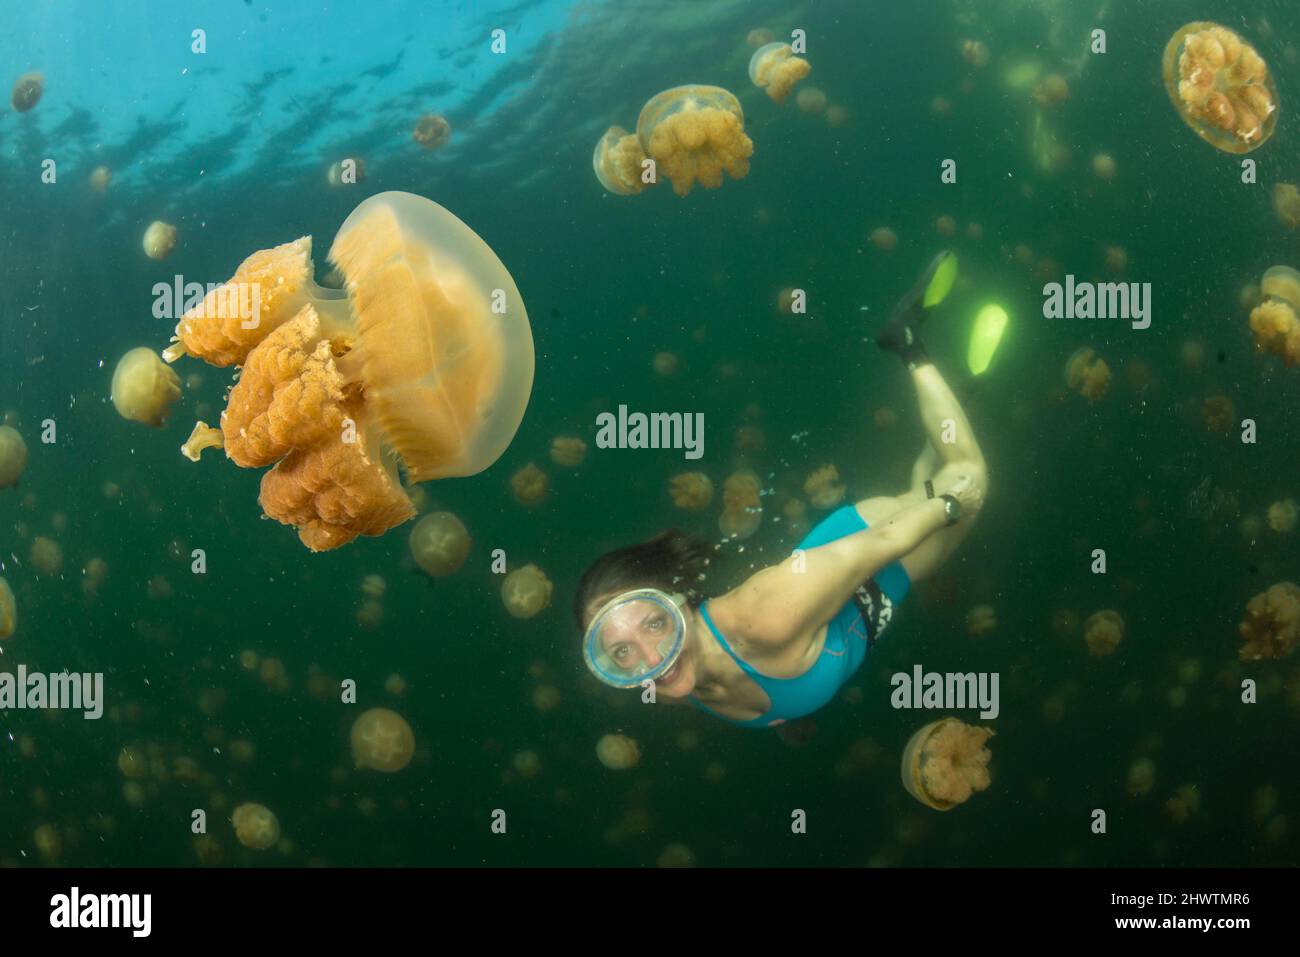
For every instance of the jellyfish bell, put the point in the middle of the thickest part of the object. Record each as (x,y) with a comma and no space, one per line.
(1274,321)
(144,389)
(159,240)
(1103,166)
(883,238)
(346,172)
(618,752)
(945,762)
(425,362)
(775,69)
(382,741)
(695,134)
(440,543)
(617,162)
(1220,86)
(13,456)
(27,91)
(432,131)
(256,826)
(8,611)
(810,100)
(692,491)
(100,177)
(526,592)
(742,509)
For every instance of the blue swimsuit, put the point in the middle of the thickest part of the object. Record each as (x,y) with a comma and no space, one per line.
(849,635)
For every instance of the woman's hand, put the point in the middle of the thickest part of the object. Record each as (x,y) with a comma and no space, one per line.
(967,493)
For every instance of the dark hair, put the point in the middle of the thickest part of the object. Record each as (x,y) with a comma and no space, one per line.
(672,561)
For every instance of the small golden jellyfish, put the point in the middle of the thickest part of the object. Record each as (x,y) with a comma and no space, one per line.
(692,491)
(13,456)
(27,91)
(1286,204)
(529,485)
(941,106)
(432,131)
(694,134)
(1272,626)
(618,162)
(1185,802)
(1087,374)
(373,586)
(1141,777)
(440,543)
(546,698)
(526,591)
(946,226)
(144,389)
(1219,413)
(759,36)
(159,240)
(527,764)
(981,620)
(837,115)
(568,451)
(1116,258)
(1051,90)
(975,53)
(46,556)
(1274,321)
(810,100)
(249,659)
(618,752)
(946,762)
(382,741)
(665,364)
(1103,166)
(395,685)
(785,300)
(742,509)
(256,826)
(1282,516)
(346,172)
(676,855)
(370,614)
(750,438)
(884,417)
(132,762)
(823,487)
(1220,87)
(100,177)
(884,238)
(425,361)
(776,69)
(8,611)
(1103,632)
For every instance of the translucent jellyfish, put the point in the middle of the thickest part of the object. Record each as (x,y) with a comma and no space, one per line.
(440,543)
(750,438)
(975,53)
(159,240)
(144,389)
(1103,166)
(526,591)
(981,620)
(836,115)
(692,491)
(1051,90)
(340,175)
(883,238)
(100,177)
(618,752)
(529,485)
(946,227)
(1087,374)
(946,762)
(810,100)
(1185,802)
(256,826)
(8,611)
(1219,413)
(742,509)
(824,488)
(425,361)
(665,364)
(546,698)
(759,36)
(48,842)
(1274,321)
(1282,516)
(1272,625)
(382,741)
(617,161)
(432,131)
(527,764)
(941,106)
(27,91)
(46,556)
(395,685)
(370,614)
(1286,204)
(13,456)
(1141,777)
(1220,86)
(568,451)
(884,417)
(776,69)
(1116,258)
(1103,632)
(694,134)
(676,855)
(374,586)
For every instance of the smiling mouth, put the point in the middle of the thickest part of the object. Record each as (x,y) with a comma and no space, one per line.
(670,674)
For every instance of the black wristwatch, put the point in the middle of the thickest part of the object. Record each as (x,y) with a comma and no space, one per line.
(951,509)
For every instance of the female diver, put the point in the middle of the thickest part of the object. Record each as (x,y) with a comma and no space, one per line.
(783,643)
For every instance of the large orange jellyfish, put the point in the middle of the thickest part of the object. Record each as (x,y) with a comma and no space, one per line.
(776,69)
(440,543)
(432,131)
(1272,625)
(946,762)
(426,360)
(617,162)
(143,388)
(1274,321)
(382,741)
(27,91)
(695,133)
(13,456)
(8,611)
(1220,86)
(742,509)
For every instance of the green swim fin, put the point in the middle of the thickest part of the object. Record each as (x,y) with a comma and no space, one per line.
(942,274)
(985,337)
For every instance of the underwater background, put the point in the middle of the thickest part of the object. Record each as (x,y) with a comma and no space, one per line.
(232,147)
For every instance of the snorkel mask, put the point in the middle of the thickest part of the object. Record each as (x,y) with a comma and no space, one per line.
(635,637)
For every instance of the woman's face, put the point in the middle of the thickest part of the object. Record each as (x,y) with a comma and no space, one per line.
(635,640)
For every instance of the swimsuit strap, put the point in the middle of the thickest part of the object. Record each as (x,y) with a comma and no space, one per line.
(744,665)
